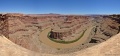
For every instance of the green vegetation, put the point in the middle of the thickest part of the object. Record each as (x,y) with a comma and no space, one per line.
(65,42)
(58,48)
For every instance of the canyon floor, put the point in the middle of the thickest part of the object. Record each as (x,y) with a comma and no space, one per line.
(28,35)
(110,47)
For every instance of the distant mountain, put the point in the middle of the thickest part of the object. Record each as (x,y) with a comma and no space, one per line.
(50,14)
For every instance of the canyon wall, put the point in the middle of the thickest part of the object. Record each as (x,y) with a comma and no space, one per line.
(4,29)
(24,30)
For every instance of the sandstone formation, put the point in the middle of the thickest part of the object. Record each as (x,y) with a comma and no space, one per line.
(107,48)
(69,26)
(24,30)
(4,25)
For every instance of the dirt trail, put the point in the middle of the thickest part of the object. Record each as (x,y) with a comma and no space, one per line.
(47,41)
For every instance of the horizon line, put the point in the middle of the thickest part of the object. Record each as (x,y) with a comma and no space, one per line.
(62,13)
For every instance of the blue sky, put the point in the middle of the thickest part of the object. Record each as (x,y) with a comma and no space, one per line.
(61,6)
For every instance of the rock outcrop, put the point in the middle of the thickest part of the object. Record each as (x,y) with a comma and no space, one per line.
(24,31)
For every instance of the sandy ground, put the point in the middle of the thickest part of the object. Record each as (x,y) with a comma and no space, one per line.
(110,47)
(8,48)
(47,41)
